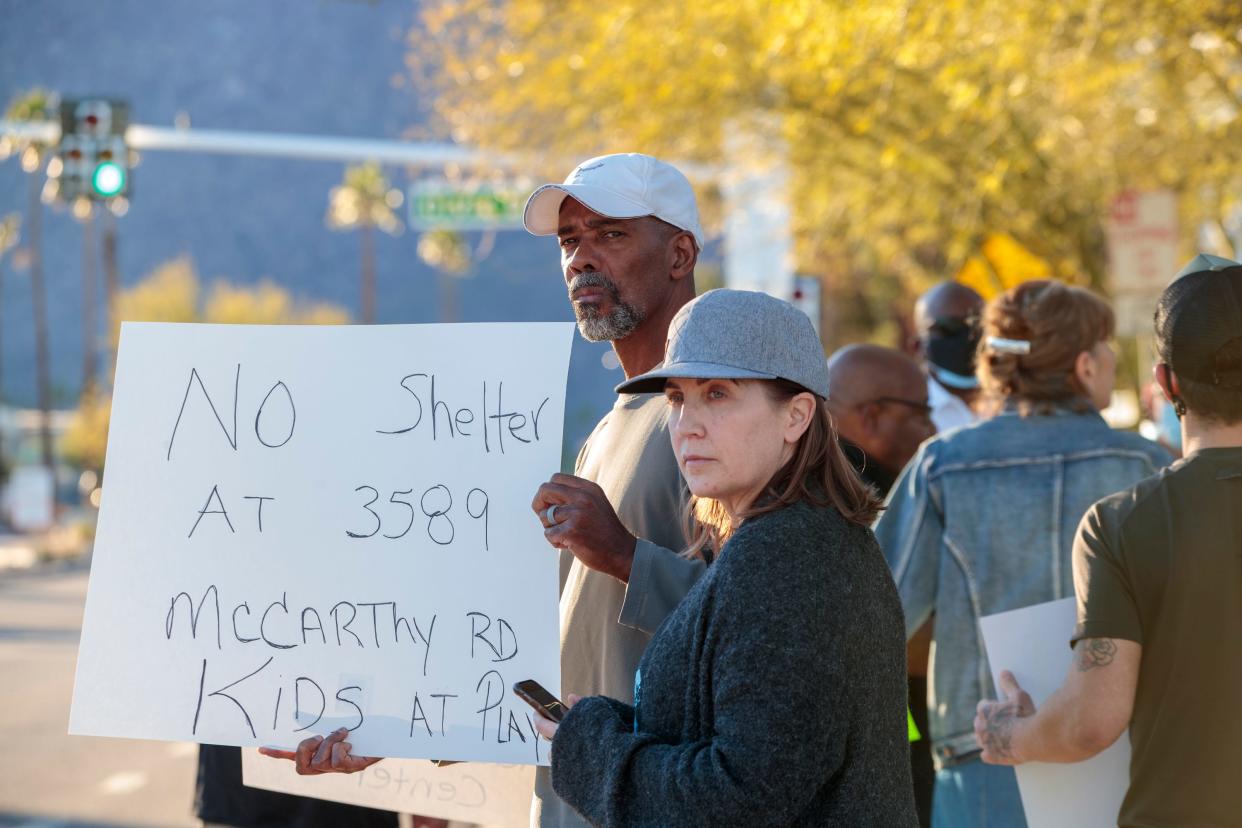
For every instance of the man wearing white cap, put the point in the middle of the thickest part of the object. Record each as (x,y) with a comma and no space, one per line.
(628,229)
(629,234)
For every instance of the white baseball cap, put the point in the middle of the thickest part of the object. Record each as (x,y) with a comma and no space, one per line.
(625,185)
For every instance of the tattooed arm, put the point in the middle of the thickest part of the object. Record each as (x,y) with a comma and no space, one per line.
(1086,715)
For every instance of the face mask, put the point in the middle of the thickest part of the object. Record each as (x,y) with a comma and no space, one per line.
(950,348)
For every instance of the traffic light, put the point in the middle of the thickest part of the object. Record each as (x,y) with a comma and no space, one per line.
(93,153)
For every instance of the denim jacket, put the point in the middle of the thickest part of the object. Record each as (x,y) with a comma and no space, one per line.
(982,520)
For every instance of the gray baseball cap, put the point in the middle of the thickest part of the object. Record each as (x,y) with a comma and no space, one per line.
(738,334)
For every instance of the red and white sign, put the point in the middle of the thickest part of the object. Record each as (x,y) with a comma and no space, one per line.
(1143,241)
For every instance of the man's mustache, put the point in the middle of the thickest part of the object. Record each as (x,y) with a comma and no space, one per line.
(593,278)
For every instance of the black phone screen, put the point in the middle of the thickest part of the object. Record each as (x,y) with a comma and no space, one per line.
(534,694)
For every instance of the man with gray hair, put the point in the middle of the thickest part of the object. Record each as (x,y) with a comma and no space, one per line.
(629,236)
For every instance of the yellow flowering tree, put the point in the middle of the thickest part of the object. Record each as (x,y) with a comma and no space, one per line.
(915,133)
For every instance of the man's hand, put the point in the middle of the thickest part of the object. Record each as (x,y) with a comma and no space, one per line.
(319,755)
(585,524)
(995,720)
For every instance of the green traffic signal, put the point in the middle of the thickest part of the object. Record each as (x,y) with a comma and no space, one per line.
(108,179)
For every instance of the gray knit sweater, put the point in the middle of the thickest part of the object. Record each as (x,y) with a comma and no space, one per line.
(775,694)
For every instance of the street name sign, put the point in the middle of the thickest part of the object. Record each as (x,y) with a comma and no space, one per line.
(436,205)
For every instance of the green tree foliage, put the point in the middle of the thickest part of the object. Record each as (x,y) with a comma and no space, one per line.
(172,293)
(34,105)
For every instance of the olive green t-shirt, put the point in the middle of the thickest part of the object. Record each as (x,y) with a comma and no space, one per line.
(1161,564)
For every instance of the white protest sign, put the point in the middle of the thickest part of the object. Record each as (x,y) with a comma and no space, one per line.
(472,792)
(305,528)
(1033,644)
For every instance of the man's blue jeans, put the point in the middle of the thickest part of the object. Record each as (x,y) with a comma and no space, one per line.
(975,795)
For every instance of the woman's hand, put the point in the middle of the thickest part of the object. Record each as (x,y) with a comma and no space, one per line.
(547,727)
(324,755)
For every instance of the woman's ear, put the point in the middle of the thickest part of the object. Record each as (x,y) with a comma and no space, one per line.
(800,410)
(1084,370)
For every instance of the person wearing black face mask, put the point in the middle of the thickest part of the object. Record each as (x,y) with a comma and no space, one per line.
(946,322)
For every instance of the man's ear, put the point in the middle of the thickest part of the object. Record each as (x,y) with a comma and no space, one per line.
(684,254)
(869,417)
(913,346)
(1167,381)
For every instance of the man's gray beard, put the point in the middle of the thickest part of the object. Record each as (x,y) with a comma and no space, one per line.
(622,321)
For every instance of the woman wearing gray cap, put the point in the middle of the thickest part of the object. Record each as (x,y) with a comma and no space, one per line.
(775,693)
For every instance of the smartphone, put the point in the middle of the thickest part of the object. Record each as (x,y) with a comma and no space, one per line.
(533,693)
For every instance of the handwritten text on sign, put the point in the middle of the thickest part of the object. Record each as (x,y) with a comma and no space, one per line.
(305,528)
(496,796)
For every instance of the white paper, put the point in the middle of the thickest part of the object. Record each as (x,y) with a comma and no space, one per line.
(1033,644)
(471,792)
(346,598)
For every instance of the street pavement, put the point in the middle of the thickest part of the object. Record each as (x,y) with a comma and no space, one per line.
(49,779)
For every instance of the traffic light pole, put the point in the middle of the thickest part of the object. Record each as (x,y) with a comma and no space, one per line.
(314,147)
(284,145)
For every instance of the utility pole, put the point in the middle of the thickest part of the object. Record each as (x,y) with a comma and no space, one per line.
(90,307)
(112,281)
(38,297)
(9,233)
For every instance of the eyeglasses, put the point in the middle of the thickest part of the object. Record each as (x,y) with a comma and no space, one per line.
(919,407)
